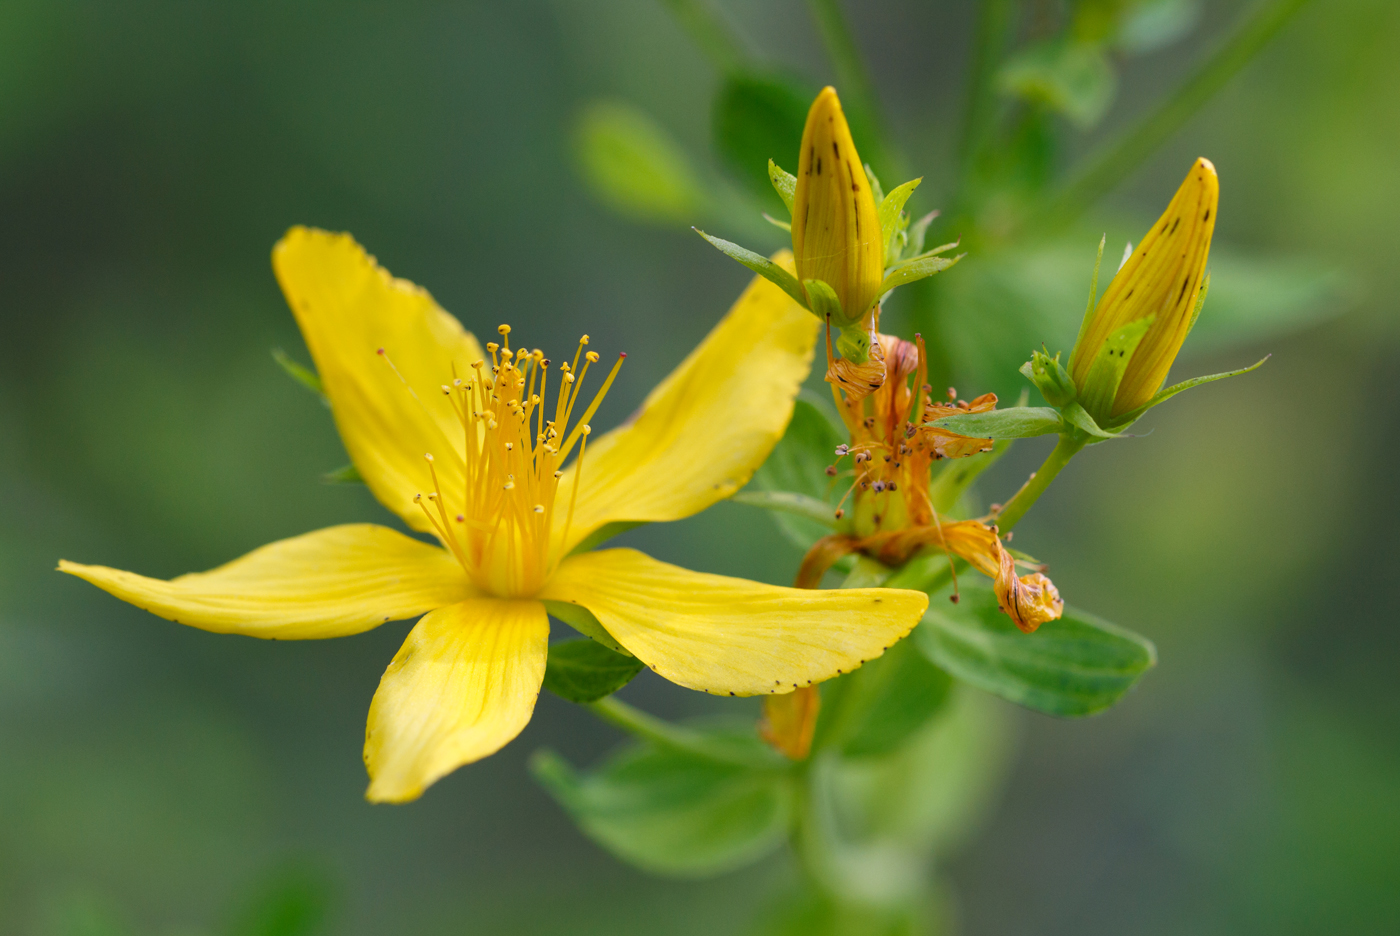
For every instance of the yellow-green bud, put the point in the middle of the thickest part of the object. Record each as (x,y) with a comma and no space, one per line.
(835,225)
(1128,343)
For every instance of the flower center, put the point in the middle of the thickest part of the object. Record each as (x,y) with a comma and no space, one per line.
(499,524)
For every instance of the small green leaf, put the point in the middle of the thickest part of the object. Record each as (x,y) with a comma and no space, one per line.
(1050,378)
(631,164)
(917,268)
(789,502)
(918,231)
(784,183)
(1015,422)
(302,374)
(1077,665)
(586,671)
(890,207)
(349,474)
(757,118)
(671,813)
(874,710)
(1174,389)
(761,265)
(777,223)
(582,620)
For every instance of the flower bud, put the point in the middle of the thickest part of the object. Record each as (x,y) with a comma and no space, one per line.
(1129,341)
(835,225)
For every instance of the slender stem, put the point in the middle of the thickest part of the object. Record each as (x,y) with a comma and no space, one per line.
(855,82)
(1116,161)
(709,30)
(993,27)
(1030,492)
(677,737)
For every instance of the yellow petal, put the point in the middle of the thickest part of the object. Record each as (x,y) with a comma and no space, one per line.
(703,431)
(337,581)
(1161,278)
(835,225)
(348,308)
(462,686)
(731,636)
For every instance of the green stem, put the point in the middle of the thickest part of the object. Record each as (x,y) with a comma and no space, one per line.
(677,737)
(1030,492)
(993,27)
(708,29)
(1114,163)
(855,82)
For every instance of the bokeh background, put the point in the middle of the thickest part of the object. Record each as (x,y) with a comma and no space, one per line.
(158,779)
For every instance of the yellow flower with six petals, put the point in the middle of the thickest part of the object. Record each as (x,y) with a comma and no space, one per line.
(461,444)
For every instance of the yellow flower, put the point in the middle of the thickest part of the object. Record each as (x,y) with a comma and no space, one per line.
(406,381)
(1149,307)
(835,225)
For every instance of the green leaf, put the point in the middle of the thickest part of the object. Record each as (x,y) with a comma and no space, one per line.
(586,671)
(757,118)
(1074,78)
(797,468)
(1077,665)
(761,265)
(1078,417)
(1254,299)
(877,708)
(582,620)
(824,303)
(302,374)
(918,230)
(789,502)
(348,474)
(1014,422)
(785,184)
(631,164)
(1174,389)
(671,813)
(777,223)
(917,268)
(890,207)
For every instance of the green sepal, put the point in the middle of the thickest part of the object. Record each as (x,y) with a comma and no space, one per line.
(783,225)
(671,812)
(876,709)
(761,265)
(604,533)
(877,191)
(582,620)
(1078,417)
(854,344)
(586,671)
(918,231)
(1089,307)
(302,374)
(1077,665)
(890,208)
(1050,378)
(349,474)
(784,183)
(1165,395)
(1109,364)
(916,268)
(1014,422)
(825,305)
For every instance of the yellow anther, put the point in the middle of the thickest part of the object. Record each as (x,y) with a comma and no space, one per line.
(492,348)
(428,456)
(539,508)
(583,340)
(592,357)
(503,329)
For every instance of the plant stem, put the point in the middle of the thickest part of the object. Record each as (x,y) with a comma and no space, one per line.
(715,36)
(677,737)
(1030,492)
(1116,161)
(993,27)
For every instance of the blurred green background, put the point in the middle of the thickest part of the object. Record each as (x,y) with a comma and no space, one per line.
(158,779)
